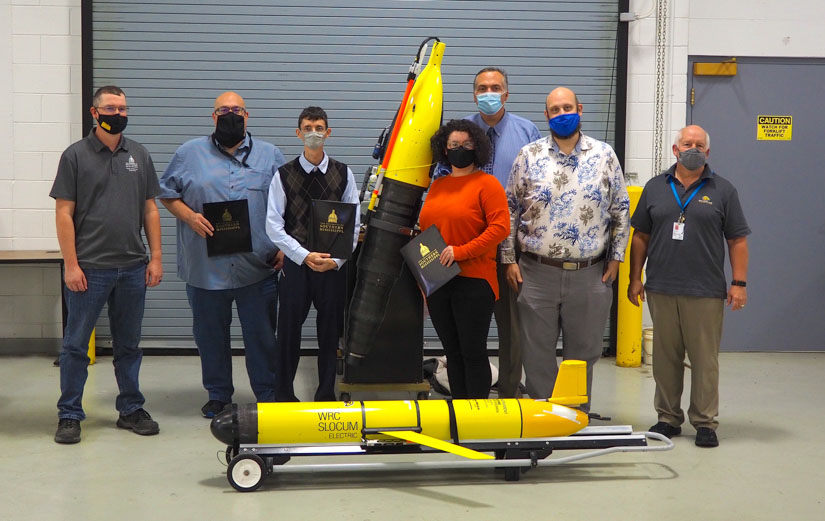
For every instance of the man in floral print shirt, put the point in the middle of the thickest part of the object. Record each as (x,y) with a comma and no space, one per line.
(569,219)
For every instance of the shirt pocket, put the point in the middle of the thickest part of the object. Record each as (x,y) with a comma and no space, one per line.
(257,180)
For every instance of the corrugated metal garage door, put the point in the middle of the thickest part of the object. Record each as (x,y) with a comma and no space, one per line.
(174,58)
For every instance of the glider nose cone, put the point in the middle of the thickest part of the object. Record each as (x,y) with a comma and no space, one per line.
(222,427)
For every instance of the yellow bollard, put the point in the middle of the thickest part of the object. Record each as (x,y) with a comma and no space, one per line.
(629,321)
(91,353)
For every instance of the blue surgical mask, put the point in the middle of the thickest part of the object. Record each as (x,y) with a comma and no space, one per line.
(489,103)
(565,125)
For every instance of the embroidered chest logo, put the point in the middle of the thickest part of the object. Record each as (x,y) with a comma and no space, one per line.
(131,165)
(705,200)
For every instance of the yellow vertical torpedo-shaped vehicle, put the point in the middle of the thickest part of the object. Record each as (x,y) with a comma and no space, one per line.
(395,203)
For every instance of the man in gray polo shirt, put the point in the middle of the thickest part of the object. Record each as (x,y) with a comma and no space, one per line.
(681,224)
(105,192)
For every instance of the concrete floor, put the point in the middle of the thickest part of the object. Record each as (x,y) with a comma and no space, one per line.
(768,466)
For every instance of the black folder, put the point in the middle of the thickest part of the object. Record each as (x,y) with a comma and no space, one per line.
(332,228)
(231,222)
(421,255)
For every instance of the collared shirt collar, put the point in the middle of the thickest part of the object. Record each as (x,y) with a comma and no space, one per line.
(707,173)
(98,145)
(246,141)
(582,144)
(498,127)
(309,167)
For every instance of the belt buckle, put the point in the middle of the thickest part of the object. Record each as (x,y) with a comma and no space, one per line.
(570,266)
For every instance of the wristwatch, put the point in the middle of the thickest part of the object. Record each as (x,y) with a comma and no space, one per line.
(738,283)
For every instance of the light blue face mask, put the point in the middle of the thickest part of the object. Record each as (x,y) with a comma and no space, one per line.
(489,103)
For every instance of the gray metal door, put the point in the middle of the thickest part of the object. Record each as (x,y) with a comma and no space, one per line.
(780,184)
(173,58)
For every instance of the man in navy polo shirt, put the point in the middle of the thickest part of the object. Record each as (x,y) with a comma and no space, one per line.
(682,221)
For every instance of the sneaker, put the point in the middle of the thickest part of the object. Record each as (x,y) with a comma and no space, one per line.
(666,429)
(213,408)
(706,437)
(68,431)
(139,422)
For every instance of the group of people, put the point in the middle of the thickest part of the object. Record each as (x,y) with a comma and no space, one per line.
(537,225)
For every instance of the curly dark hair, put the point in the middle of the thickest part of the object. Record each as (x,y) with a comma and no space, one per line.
(479,138)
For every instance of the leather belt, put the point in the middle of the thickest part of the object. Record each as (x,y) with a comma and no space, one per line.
(565,265)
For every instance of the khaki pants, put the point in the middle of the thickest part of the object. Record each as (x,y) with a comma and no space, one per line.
(692,325)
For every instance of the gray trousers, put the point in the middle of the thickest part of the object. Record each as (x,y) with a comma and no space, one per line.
(509,338)
(691,325)
(553,300)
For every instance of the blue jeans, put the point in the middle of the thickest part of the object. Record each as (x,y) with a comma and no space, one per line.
(211,317)
(124,289)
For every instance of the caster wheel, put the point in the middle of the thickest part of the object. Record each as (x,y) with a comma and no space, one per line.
(246,472)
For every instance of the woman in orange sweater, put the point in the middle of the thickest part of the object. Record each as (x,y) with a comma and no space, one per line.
(469,208)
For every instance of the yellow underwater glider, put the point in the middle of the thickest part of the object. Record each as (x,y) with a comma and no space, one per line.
(516,434)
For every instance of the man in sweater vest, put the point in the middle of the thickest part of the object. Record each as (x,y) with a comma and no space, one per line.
(308,277)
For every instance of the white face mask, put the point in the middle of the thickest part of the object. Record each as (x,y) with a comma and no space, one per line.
(314,140)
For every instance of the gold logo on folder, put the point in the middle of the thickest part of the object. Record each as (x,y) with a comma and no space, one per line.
(228,222)
(427,256)
(333,218)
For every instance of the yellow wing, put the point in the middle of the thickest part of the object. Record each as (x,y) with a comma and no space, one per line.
(429,441)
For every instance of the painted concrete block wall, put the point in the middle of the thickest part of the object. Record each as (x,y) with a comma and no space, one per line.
(40,77)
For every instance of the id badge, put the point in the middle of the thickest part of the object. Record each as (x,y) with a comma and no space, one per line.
(678,231)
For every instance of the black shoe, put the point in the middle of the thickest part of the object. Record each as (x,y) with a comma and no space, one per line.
(213,408)
(666,429)
(68,431)
(706,437)
(139,422)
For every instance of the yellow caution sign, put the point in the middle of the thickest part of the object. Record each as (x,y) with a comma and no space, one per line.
(774,128)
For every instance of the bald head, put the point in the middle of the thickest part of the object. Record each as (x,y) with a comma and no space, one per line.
(229,99)
(561,101)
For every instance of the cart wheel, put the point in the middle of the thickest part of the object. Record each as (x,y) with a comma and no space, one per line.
(512,473)
(345,397)
(423,395)
(246,472)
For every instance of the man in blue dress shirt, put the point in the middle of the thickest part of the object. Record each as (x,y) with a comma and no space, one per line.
(508,133)
(227,166)
(309,277)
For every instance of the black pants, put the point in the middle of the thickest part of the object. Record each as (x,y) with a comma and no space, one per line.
(461,311)
(299,288)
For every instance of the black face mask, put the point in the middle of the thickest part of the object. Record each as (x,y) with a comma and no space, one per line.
(113,123)
(461,157)
(229,131)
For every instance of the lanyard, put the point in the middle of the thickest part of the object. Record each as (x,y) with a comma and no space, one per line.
(230,156)
(683,206)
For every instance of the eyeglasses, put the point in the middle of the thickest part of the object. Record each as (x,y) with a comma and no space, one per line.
(222,111)
(467,145)
(111,109)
